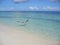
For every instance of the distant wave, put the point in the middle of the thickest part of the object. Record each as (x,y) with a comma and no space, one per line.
(46,19)
(32,18)
(5,17)
(40,15)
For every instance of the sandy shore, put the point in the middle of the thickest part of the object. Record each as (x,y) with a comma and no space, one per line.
(12,36)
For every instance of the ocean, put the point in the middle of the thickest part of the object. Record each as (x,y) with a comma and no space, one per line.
(43,23)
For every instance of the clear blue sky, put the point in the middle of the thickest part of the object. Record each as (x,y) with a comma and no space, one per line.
(29,5)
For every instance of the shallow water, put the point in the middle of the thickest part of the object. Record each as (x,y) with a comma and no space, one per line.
(45,24)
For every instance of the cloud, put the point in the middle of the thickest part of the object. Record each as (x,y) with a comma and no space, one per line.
(33,8)
(51,8)
(18,1)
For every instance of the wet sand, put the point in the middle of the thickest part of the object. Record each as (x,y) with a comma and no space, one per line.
(12,36)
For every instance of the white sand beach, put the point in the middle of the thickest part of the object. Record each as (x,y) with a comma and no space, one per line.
(13,36)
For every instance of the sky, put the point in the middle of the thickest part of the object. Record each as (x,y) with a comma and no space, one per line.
(29,5)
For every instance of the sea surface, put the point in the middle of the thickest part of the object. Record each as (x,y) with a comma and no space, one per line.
(42,23)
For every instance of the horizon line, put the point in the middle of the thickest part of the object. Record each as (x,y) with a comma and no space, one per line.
(26,11)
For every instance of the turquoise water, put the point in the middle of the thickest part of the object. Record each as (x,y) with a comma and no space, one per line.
(46,24)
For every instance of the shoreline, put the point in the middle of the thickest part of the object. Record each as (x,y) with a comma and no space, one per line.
(13,36)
